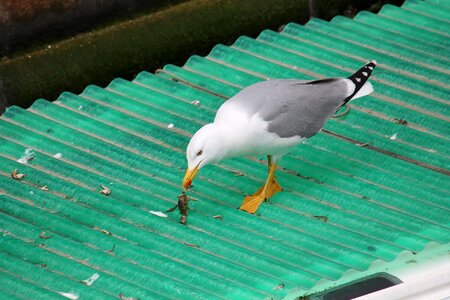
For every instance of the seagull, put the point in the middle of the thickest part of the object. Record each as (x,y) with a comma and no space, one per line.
(269,118)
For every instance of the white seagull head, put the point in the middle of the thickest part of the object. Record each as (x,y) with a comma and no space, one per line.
(204,148)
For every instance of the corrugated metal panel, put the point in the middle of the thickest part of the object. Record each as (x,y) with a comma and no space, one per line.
(382,186)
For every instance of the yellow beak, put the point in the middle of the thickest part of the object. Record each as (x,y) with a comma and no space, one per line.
(189,177)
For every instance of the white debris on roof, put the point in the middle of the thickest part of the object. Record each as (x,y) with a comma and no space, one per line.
(28,155)
(158,213)
(70,295)
(91,279)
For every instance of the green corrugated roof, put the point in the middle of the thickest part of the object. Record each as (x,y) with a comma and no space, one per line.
(383,186)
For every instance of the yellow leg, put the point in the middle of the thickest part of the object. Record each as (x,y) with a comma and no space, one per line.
(270,188)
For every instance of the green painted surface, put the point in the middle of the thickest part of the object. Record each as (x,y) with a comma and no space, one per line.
(376,203)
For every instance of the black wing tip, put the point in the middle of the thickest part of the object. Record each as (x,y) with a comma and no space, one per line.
(370,65)
(361,76)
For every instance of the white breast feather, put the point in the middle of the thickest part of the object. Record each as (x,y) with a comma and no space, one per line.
(248,135)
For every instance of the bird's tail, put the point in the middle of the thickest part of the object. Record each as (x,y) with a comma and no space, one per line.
(359,79)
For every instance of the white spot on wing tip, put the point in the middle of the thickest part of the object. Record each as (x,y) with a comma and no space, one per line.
(365,73)
(358,79)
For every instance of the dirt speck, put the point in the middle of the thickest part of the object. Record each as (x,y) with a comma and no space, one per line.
(321,218)
(43,235)
(400,121)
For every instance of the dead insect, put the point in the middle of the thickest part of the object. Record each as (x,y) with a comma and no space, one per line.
(44,188)
(321,218)
(105,191)
(16,176)
(183,203)
(43,236)
(218,217)
(183,207)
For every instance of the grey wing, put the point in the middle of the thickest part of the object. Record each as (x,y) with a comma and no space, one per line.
(293,107)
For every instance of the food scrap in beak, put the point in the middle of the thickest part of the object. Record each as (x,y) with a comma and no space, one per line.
(189,177)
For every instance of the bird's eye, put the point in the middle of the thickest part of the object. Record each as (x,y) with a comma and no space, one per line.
(199,152)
